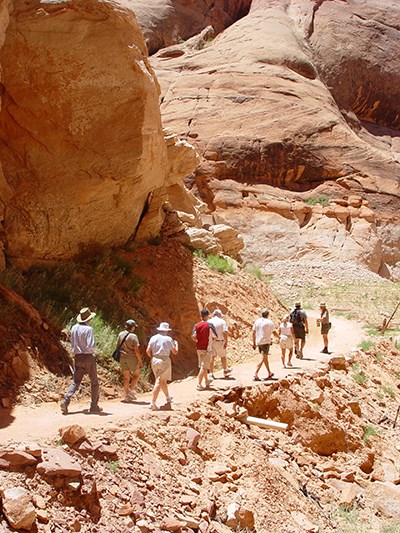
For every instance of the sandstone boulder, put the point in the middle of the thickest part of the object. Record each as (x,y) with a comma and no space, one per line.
(231,242)
(18,508)
(72,434)
(57,462)
(81,143)
(201,239)
(385,498)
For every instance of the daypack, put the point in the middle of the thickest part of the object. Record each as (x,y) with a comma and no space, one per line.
(296,317)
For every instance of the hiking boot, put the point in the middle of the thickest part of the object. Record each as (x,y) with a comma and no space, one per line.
(95,409)
(325,350)
(64,407)
(131,395)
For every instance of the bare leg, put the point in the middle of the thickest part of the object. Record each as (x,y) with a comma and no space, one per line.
(126,381)
(266,363)
(283,350)
(212,365)
(258,367)
(325,338)
(224,363)
(303,343)
(290,357)
(134,381)
(203,374)
(156,390)
(164,387)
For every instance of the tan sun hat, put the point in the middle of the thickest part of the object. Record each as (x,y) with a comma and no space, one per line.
(322,304)
(85,315)
(164,326)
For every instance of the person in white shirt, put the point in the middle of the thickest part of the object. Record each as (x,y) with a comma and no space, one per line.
(286,335)
(220,342)
(159,349)
(262,332)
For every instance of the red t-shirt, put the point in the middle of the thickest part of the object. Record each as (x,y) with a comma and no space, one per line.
(202,330)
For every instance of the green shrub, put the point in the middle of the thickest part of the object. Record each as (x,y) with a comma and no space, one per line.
(220,264)
(113,465)
(321,199)
(360,378)
(366,345)
(256,272)
(389,391)
(378,357)
(368,432)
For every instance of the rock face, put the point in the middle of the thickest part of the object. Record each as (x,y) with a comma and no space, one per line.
(298,95)
(164,22)
(81,144)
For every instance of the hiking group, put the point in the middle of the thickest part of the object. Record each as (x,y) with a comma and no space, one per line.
(211,338)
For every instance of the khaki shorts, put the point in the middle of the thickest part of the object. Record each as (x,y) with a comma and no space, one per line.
(264,349)
(325,328)
(218,349)
(128,363)
(204,359)
(287,342)
(162,368)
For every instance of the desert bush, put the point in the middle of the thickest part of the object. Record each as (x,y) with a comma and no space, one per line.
(366,345)
(321,199)
(368,432)
(389,391)
(256,272)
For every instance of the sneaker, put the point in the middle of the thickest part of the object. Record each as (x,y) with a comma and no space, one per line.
(325,350)
(64,407)
(95,409)
(200,387)
(168,399)
(153,406)
(131,395)
(211,377)
(227,371)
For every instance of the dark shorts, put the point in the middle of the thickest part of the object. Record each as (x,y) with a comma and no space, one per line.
(264,348)
(325,328)
(299,331)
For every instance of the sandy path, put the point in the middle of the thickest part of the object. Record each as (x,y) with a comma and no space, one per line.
(43,421)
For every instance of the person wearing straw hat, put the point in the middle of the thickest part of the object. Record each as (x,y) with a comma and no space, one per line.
(83,347)
(159,350)
(130,360)
(323,321)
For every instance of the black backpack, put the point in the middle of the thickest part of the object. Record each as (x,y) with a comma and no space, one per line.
(296,317)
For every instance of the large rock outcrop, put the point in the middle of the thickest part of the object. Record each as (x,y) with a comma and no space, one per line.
(81,143)
(296,94)
(165,22)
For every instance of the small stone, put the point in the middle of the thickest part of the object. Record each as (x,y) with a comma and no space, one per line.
(19,458)
(58,463)
(72,434)
(125,510)
(42,516)
(193,438)
(172,524)
(193,415)
(348,495)
(338,362)
(38,501)
(348,476)
(355,407)
(34,449)
(144,526)
(304,523)
(186,500)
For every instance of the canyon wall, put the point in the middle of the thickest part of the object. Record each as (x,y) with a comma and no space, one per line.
(302,96)
(81,142)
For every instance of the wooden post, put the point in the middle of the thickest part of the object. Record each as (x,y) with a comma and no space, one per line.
(384,328)
(264,423)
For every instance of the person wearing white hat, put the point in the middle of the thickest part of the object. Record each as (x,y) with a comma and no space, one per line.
(83,347)
(159,350)
(130,360)
(220,342)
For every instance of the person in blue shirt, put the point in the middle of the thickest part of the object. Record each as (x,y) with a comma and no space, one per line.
(83,347)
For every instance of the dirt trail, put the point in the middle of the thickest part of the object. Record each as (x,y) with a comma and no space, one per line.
(43,421)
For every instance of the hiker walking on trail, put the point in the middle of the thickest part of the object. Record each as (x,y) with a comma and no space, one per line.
(159,349)
(130,359)
(286,335)
(219,343)
(299,320)
(83,347)
(262,331)
(203,335)
(323,321)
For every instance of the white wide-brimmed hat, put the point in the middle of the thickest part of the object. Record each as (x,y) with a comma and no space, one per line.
(217,312)
(85,315)
(164,326)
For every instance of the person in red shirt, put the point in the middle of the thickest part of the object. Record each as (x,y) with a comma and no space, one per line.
(203,335)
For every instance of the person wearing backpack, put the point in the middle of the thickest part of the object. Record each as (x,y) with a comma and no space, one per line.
(298,318)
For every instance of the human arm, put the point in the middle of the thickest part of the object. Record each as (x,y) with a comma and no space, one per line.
(174,350)
(306,324)
(225,339)
(138,355)
(194,336)
(254,339)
